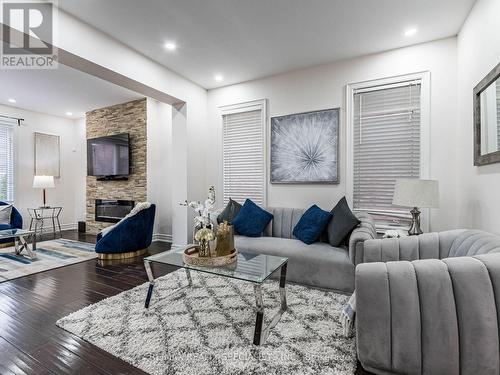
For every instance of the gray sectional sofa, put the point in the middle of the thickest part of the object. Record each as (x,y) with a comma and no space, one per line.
(430,304)
(320,264)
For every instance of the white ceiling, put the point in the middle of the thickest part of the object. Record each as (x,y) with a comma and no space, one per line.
(248,39)
(58,91)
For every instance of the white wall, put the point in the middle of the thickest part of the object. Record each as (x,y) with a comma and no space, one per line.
(324,87)
(182,217)
(68,191)
(159,171)
(82,40)
(478,52)
(80,167)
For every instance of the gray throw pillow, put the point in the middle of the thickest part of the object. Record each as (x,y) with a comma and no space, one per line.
(230,212)
(342,223)
(5,213)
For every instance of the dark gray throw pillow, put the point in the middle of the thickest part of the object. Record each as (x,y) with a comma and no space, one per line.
(230,212)
(342,223)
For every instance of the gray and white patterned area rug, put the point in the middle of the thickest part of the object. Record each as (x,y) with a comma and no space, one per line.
(49,255)
(208,329)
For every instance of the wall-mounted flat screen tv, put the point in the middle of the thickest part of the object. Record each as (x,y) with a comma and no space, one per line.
(109,156)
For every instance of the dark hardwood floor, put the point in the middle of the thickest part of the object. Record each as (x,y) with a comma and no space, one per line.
(31,343)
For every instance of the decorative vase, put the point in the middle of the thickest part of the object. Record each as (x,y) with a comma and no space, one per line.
(225,239)
(204,236)
(204,249)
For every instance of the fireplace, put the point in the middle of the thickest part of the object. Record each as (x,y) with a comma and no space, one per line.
(112,210)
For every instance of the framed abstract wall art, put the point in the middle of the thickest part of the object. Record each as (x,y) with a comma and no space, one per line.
(304,147)
(47,154)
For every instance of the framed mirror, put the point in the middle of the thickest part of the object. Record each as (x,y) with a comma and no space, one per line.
(487,119)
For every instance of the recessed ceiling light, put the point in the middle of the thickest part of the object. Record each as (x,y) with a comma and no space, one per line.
(171,46)
(11,100)
(218,77)
(410,32)
(69,113)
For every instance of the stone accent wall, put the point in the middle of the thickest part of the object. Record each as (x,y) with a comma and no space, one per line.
(122,118)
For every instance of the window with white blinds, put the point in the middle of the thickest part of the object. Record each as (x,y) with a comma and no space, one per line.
(6,161)
(386,146)
(243,144)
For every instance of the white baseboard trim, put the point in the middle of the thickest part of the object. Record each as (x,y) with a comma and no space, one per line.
(158,237)
(69,226)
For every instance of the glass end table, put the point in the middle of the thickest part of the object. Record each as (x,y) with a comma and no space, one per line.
(20,237)
(253,268)
(39,215)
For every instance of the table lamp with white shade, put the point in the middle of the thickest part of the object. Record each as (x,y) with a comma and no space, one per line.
(43,182)
(416,193)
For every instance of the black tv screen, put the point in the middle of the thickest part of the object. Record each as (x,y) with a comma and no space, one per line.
(108,156)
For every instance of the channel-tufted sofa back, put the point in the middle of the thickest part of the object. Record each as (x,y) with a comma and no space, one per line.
(436,311)
(437,245)
(473,242)
(284,220)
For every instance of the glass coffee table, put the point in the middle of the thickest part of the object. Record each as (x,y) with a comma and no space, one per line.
(20,237)
(254,268)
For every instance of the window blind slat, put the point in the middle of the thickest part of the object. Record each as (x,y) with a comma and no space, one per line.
(386,137)
(243,157)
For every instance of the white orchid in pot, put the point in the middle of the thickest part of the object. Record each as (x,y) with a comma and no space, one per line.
(203,220)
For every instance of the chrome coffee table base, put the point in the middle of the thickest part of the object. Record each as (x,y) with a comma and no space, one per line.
(151,279)
(260,333)
(21,244)
(20,238)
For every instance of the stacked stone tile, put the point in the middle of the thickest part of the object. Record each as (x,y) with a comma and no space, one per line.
(122,118)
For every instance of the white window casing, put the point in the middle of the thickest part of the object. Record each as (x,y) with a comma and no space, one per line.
(7,160)
(244,152)
(387,131)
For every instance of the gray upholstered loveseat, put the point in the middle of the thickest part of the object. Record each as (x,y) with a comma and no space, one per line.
(430,305)
(320,264)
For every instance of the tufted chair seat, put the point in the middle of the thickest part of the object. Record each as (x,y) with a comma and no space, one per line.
(430,304)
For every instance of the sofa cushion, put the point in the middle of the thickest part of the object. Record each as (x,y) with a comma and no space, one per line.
(230,212)
(319,264)
(251,220)
(342,223)
(16,220)
(311,224)
(5,214)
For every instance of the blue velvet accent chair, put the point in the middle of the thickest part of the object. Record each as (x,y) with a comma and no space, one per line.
(129,238)
(16,222)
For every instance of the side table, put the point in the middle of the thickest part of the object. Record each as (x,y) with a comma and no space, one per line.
(40,215)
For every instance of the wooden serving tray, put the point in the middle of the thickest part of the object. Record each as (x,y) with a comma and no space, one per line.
(191,256)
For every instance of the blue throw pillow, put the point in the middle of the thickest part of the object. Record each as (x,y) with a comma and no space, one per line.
(251,220)
(311,224)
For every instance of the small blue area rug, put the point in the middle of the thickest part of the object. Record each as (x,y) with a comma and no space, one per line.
(49,255)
